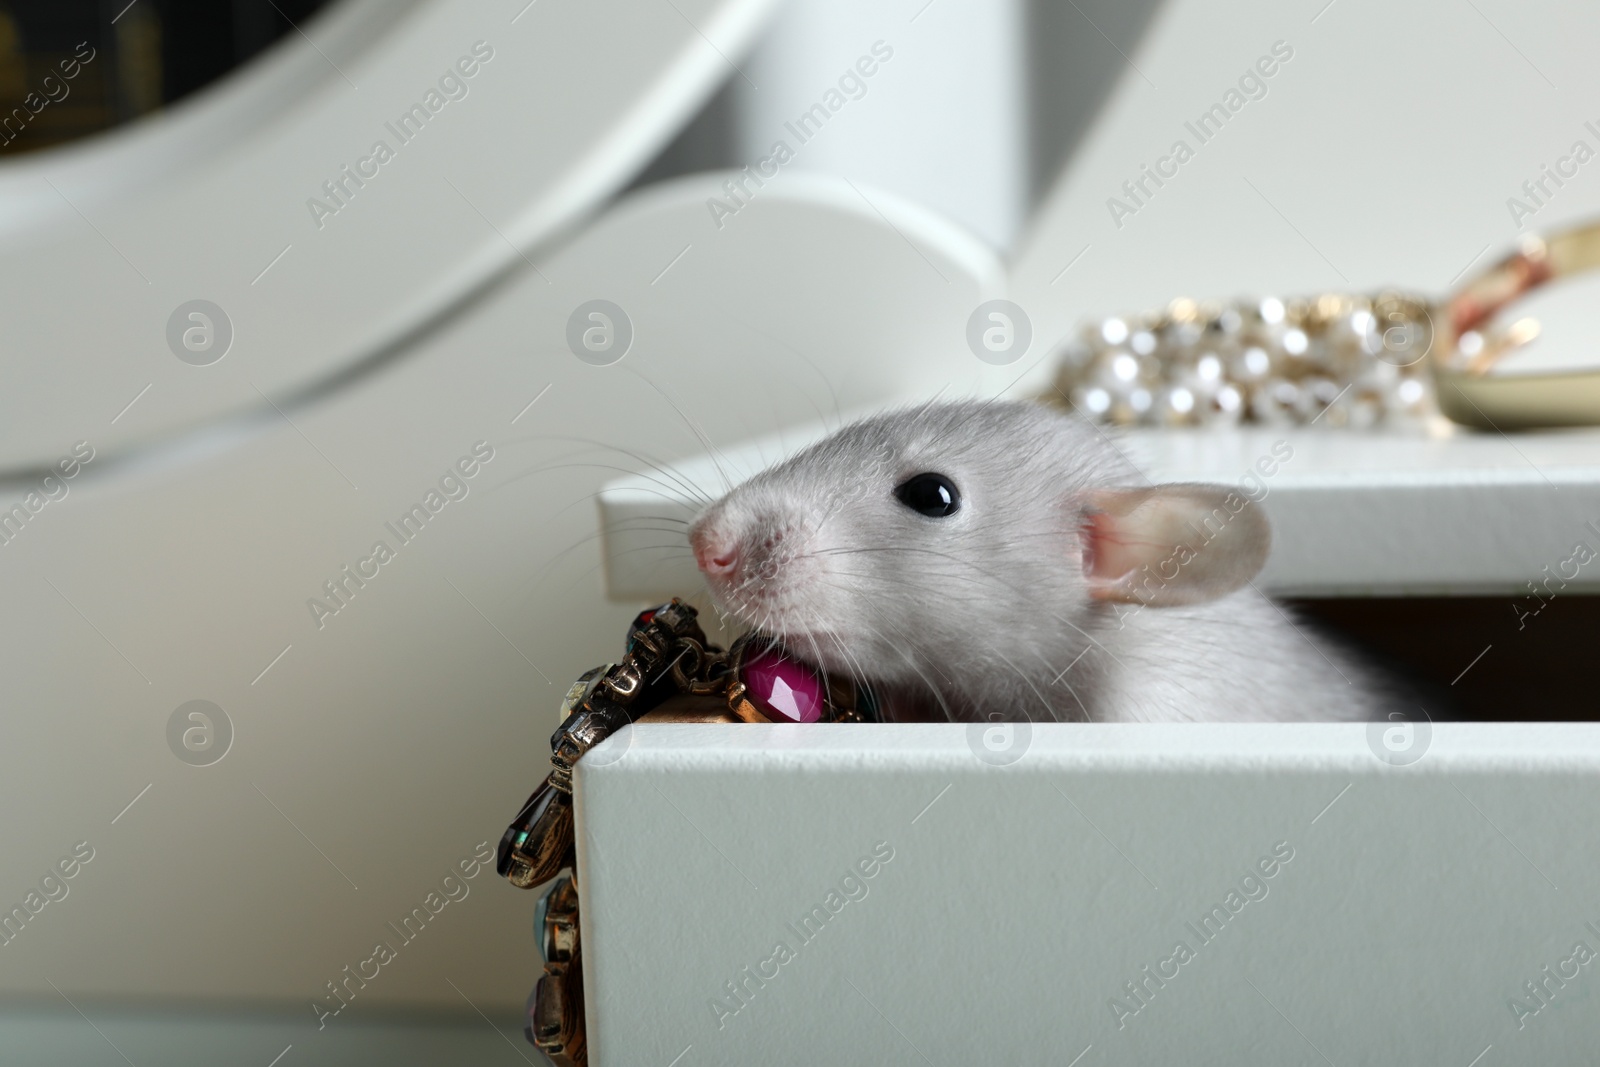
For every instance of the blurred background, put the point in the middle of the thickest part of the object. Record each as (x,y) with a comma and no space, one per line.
(372,323)
(151,54)
(1029,82)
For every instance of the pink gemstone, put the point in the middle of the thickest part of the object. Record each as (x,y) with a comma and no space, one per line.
(783,689)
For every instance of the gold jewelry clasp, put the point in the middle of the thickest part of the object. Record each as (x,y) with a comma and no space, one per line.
(1468,344)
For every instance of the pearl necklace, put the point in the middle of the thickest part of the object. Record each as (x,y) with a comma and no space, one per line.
(1389,360)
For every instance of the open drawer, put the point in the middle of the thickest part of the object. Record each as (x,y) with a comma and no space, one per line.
(1090,894)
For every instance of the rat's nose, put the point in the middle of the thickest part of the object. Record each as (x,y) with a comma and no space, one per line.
(716,553)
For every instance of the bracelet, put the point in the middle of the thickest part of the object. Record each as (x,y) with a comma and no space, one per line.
(666,656)
(1390,358)
(766,684)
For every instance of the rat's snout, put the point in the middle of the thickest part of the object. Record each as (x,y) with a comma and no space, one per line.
(716,550)
(754,555)
(746,550)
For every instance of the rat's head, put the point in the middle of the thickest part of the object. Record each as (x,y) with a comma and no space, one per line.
(928,536)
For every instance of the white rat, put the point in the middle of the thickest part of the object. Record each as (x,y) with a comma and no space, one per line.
(979,560)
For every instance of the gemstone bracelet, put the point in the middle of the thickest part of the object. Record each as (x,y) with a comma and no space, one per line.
(667,673)
(1388,359)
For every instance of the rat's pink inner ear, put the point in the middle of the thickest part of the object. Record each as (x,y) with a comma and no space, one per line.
(1107,553)
(1171,544)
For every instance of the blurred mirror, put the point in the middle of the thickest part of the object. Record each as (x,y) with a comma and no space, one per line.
(69,68)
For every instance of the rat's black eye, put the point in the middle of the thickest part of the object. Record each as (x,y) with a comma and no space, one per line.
(932,495)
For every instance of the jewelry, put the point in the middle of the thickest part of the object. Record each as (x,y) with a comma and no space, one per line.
(1388,359)
(667,664)
(766,684)
(554,1021)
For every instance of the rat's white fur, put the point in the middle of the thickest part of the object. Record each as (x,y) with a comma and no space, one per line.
(987,612)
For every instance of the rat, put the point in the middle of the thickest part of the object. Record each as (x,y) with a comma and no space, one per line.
(1003,560)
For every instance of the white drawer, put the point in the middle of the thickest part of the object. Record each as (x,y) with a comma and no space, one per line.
(1033,912)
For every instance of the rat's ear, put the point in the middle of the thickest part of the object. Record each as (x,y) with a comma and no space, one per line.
(1171,544)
